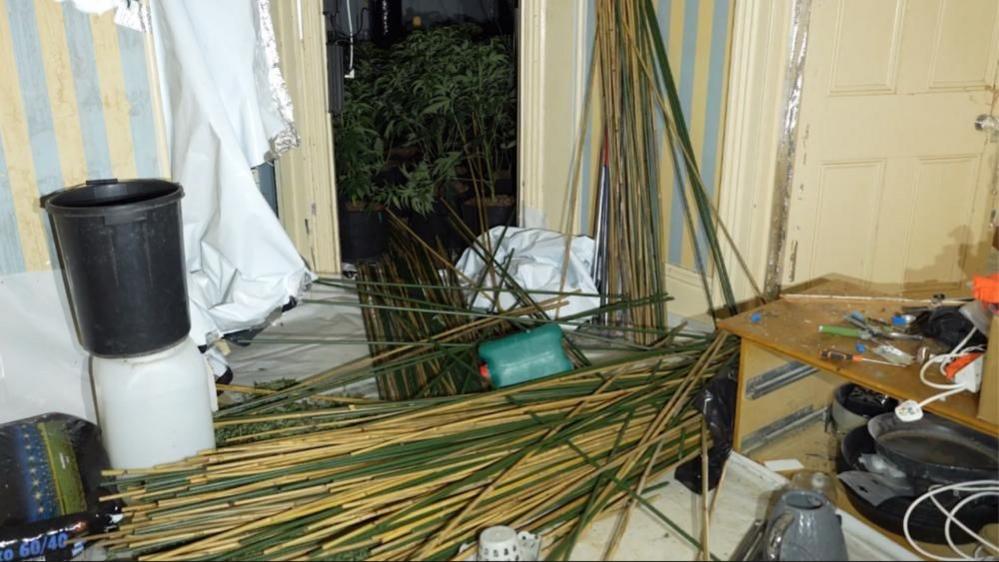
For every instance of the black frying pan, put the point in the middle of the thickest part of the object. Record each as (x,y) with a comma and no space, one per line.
(936,450)
(926,523)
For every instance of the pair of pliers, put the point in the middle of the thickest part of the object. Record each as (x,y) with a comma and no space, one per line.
(878,332)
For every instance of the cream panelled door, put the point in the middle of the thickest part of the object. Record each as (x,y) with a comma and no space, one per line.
(892,182)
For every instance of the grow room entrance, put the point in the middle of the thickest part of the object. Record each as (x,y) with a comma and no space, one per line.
(424,121)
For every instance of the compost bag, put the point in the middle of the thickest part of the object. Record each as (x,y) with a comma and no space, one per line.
(50,475)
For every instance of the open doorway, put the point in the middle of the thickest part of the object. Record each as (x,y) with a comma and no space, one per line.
(423,99)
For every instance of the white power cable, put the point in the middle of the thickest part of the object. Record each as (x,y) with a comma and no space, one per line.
(350,34)
(945,359)
(982,488)
(952,518)
(3,386)
(910,410)
(956,389)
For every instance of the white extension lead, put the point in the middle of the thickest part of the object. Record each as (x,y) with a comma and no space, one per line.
(910,410)
(980,489)
(350,32)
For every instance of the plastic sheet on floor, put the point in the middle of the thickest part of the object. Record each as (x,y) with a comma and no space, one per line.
(288,349)
(534,258)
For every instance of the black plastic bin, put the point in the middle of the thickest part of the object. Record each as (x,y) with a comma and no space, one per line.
(122,251)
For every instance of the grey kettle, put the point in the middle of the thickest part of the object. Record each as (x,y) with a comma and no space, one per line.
(803,525)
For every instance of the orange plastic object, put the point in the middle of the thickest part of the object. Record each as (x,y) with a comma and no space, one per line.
(986,288)
(961,362)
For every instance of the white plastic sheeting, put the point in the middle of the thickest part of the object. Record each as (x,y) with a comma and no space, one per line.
(128,13)
(225,113)
(43,368)
(534,259)
(94,6)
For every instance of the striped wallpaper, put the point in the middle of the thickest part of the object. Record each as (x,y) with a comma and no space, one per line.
(698,40)
(698,35)
(77,102)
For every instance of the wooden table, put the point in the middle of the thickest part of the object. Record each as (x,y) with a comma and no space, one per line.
(784,383)
(786,340)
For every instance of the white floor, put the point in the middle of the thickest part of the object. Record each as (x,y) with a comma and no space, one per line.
(340,324)
(744,497)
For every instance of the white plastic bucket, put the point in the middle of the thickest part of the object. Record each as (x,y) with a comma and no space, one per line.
(154,409)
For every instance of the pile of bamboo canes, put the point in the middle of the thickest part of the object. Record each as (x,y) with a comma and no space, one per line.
(417,479)
(415,294)
(409,296)
(629,198)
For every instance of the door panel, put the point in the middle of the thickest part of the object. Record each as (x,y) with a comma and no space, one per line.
(942,197)
(865,56)
(952,64)
(848,189)
(892,183)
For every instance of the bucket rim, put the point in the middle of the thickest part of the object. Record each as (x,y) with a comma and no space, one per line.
(60,203)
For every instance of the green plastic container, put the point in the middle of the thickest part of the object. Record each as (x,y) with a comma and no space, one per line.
(524,356)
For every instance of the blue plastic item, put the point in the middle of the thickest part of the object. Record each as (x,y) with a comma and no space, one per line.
(524,356)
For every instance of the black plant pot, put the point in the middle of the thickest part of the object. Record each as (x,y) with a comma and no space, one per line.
(435,228)
(499,211)
(460,192)
(363,233)
(403,154)
(504,184)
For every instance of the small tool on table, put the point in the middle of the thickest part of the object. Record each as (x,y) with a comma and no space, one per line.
(836,355)
(865,330)
(847,332)
(879,329)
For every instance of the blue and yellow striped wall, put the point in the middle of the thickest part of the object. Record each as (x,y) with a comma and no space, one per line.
(77,102)
(698,35)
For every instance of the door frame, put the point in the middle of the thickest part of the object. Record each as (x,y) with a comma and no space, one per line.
(758,71)
(539,132)
(306,176)
(769,41)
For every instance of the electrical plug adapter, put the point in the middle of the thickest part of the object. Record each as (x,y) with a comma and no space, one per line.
(969,375)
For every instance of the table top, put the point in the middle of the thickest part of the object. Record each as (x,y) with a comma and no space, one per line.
(790,326)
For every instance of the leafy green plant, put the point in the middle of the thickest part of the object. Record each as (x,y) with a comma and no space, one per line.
(443,92)
(484,110)
(359,153)
(416,193)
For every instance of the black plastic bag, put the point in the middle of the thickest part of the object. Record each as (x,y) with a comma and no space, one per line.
(50,475)
(689,473)
(948,326)
(716,402)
